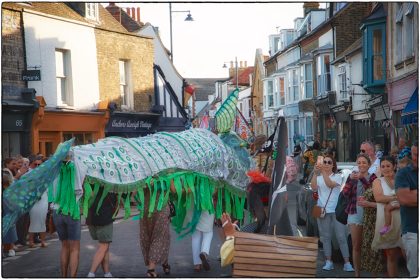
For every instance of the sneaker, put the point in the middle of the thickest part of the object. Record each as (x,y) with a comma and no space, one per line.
(385,230)
(328,265)
(91,275)
(347,267)
(11,253)
(108,275)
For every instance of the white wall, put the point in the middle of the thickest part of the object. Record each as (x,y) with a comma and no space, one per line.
(356,72)
(42,36)
(162,59)
(326,38)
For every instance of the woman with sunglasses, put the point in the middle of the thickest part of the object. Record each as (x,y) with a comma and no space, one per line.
(359,181)
(327,182)
(384,192)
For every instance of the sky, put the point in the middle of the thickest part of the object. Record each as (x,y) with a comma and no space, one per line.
(219,33)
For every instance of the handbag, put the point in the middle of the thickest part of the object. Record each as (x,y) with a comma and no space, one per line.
(318,211)
(340,209)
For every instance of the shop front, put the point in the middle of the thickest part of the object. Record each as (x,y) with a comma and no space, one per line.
(51,127)
(344,142)
(16,125)
(326,121)
(380,117)
(128,125)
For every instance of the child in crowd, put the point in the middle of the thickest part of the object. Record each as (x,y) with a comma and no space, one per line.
(404,158)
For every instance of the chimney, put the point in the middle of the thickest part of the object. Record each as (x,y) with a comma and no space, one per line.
(245,64)
(133,13)
(111,4)
(240,63)
(138,14)
(309,6)
(128,11)
(231,64)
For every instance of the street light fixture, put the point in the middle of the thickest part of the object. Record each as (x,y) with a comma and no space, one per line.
(236,69)
(188,18)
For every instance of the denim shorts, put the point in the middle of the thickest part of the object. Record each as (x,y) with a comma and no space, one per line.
(67,228)
(356,219)
(102,233)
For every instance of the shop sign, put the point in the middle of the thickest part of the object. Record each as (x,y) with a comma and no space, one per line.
(375,101)
(130,124)
(13,122)
(31,75)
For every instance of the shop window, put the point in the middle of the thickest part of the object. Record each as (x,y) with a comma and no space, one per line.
(323,74)
(63,79)
(10,144)
(125,92)
(81,138)
(309,129)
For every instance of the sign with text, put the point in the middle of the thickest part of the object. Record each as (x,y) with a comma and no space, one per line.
(31,75)
(132,123)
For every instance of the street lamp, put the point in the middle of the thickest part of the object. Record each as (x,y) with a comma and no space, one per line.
(236,69)
(188,18)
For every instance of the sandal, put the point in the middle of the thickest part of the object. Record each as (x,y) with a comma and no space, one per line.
(205,261)
(166,268)
(151,273)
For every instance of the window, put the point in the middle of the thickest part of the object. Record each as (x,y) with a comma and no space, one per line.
(62,70)
(378,70)
(293,85)
(270,99)
(10,144)
(281,91)
(342,83)
(323,74)
(92,11)
(307,89)
(124,84)
(80,138)
(409,31)
(399,31)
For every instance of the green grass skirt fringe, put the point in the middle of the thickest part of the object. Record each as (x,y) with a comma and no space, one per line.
(192,190)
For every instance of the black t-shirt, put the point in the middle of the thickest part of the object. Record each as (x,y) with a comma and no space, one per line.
(105,212)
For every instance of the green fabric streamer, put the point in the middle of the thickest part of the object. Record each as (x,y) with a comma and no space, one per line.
(219,206)
(87,196)
(104,194)
(127,207)
(117,208)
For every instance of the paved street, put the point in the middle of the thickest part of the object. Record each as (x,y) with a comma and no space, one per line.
(127,260)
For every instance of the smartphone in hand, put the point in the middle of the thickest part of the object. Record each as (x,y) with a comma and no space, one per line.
(320,161)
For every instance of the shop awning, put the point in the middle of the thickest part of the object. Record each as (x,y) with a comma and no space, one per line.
(410,114)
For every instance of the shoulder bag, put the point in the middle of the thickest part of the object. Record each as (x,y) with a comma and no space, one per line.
(318,211)
(340,209)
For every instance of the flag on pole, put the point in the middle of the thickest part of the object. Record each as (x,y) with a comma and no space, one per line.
(242,127)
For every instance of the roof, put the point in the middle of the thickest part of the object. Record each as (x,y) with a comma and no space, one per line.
(108,22)
(51,8)
(243,76)
(120,15)
(203,87)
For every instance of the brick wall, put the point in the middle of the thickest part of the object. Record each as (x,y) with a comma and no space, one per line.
(348,24)
(112,47)
(12,53)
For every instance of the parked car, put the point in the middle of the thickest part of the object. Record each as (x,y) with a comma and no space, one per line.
(305,203)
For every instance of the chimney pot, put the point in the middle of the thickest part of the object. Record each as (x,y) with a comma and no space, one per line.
(128,11)
(133,13)
(138,14)
(231,64)
(240,63)
(245,63)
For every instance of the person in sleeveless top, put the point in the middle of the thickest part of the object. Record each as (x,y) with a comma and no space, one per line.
(383,191)
(357,183)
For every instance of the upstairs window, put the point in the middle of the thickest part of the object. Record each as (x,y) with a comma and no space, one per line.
(281,92)
(374,56)
(92,11)
(270,97)
(409,31)
(293,85)
(307,87)
(323,74)
(62,74)
(399,17)
(342,82)
(124,84)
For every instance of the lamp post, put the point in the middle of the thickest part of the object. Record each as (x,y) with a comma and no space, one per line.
(188,18)
(236,69)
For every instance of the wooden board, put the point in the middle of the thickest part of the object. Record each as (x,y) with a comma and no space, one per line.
(259,255)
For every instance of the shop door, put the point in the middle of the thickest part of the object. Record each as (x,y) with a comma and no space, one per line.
(10,144)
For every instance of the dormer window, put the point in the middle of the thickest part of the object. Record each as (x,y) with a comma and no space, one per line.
(92,11)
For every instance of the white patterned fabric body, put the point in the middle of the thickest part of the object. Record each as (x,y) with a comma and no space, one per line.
(122,161)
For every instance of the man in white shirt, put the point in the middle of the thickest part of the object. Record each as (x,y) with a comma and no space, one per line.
(368,148)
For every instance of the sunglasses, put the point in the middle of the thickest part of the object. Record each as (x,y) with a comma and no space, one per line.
(328,162)
(363,151)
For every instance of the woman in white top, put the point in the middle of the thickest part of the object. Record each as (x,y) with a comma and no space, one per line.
(383,191)
(327,183)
